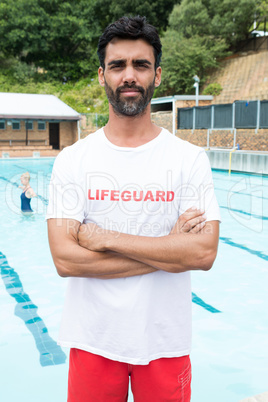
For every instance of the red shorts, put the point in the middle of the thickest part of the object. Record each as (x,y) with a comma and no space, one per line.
(94,378)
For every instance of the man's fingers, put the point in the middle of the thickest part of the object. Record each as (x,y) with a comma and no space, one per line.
(197,228)
(188,220)
(191,213)
(190,224)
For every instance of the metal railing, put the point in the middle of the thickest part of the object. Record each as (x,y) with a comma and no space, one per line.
(231,116)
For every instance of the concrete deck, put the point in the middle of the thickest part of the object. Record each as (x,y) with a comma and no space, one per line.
(239,161)
(223,159)
(19,151)
(257,398)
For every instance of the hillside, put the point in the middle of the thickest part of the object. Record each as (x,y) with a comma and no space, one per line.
(242,77)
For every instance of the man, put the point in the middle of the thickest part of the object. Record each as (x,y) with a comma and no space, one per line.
(126,223)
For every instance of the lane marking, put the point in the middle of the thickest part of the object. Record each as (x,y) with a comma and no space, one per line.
(200,302)
(50,352)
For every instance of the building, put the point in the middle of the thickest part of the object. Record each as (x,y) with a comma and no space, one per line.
(164,110)
(35,121)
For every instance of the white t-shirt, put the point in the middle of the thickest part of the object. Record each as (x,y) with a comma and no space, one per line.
(140,191)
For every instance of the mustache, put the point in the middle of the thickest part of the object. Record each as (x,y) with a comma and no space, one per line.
(127,86)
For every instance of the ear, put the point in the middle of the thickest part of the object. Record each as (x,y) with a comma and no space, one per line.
(158,76)
(101,76)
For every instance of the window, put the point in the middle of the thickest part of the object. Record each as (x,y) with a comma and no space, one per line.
(29,125)
(41,125)
(15,125)
(2,125)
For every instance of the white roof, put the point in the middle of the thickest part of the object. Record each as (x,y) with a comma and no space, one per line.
(168,99)
(34,106)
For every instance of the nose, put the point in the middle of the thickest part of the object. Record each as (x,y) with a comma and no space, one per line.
(129,76)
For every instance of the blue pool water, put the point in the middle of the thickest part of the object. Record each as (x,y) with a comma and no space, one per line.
(230,303)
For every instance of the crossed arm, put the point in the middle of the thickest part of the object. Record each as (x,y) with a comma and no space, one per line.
(89,251)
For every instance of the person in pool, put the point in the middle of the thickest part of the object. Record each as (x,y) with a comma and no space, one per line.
(27,193)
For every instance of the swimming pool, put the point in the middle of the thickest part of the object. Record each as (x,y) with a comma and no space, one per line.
(230,303)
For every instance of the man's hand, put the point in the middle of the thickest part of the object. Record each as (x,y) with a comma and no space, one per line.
(191,221)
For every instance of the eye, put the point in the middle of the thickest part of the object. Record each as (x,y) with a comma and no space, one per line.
(116,66)
(142,65)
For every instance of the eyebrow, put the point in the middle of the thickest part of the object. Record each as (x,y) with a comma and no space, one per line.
(142,61)
(117,62)
(123,61)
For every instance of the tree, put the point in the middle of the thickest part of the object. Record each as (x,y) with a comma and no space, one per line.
(232,19)
(226,19)
(156,11)
(57,36)
(60,37)
(190,18)
(262,8)
(199,34)
(261,18)
(185,57)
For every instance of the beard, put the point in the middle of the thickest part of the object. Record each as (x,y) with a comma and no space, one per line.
(131,106)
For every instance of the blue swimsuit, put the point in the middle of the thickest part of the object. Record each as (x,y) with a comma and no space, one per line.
(25,203)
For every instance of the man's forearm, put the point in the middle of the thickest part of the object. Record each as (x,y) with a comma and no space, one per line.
(103,265)
(173,253)
(72,260)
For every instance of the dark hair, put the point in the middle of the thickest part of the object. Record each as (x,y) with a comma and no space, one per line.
(130,28)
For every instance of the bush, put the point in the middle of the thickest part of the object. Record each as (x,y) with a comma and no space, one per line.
(84,96)
(185,57)
(212,89)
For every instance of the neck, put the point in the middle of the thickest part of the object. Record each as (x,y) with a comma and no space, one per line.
(130,131)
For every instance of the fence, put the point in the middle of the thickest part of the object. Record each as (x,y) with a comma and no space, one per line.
(92,121)
(240,114)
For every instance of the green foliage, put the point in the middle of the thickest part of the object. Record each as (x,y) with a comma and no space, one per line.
(156,11)
(261,20)
(49,46)
(102,120)
(96,119)
(232,19)
(54,35)
(61,37)
(23,72)
(185,57)
(190,18)
(262,7)
(224,19)
(200,33)
(85,96)
(213,89)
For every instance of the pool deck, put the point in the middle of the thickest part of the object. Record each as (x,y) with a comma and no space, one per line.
(257,398)
(18,151)
(255,162)
(239,161)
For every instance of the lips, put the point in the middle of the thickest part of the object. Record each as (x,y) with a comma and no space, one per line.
(129,91)
(126,91)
